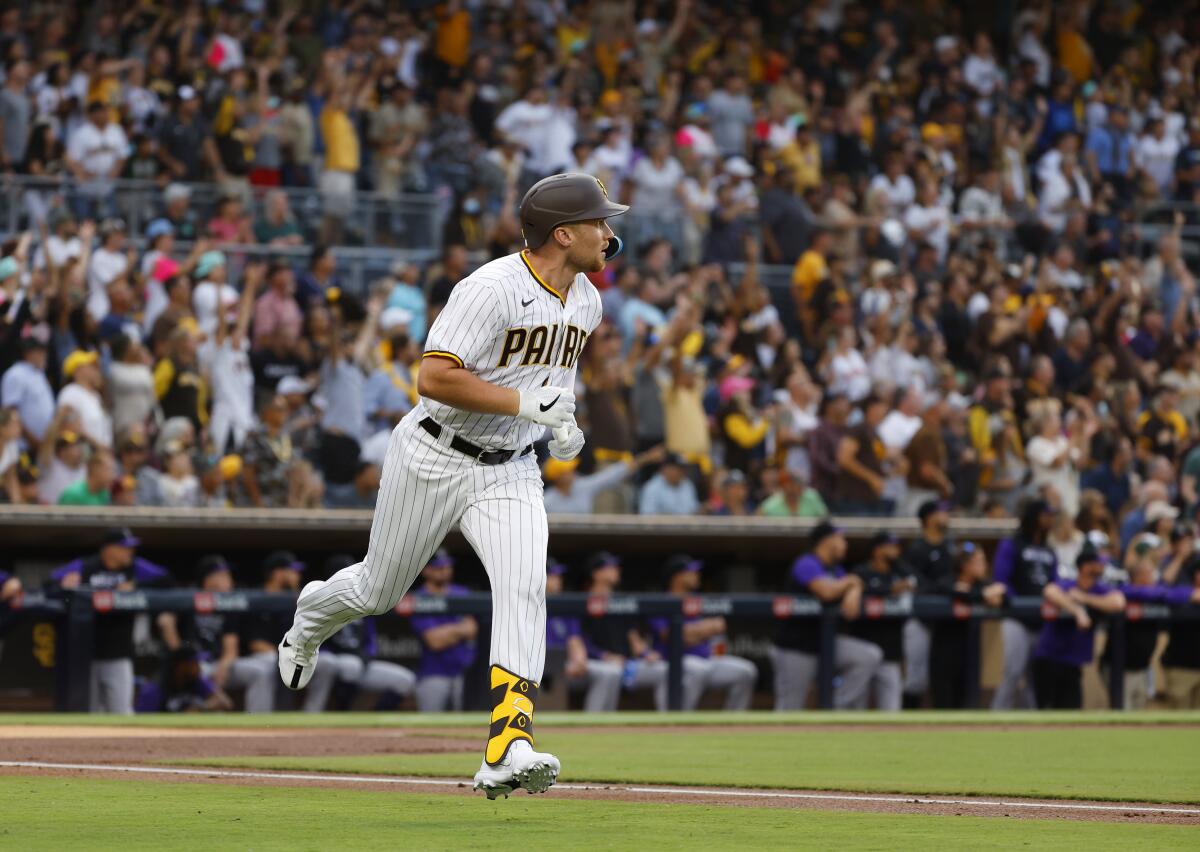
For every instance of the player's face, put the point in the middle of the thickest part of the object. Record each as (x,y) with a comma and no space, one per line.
(590,240)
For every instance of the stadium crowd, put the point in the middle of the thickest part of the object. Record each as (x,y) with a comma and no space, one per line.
(975,314)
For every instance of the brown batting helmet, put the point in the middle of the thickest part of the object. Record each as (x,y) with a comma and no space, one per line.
(559,199)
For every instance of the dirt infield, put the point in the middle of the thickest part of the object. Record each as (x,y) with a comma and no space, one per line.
(124,753)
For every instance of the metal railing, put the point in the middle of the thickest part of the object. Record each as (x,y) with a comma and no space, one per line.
(76,612)
(405,221)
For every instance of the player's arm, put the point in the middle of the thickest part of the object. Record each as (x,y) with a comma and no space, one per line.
(444,380)
(695,632)
(448,635)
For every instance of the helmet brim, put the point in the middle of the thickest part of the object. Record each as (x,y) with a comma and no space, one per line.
(604,211)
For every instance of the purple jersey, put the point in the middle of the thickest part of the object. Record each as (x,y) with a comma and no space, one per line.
(559,629)
(661,628)
(1061,640)
(1157,593)
(449,662)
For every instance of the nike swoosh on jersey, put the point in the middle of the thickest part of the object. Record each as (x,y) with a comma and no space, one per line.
(525,304)
(550,404)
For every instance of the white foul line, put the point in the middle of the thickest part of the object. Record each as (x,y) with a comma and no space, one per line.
(671,791)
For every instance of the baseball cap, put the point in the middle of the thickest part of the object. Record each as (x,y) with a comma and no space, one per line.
(822,531)
(554,468)
(66,438)
(681,562)
(672,458)
(209,261)
(554,568)
(733,477)
(122,536)
(212,564)
(78,358)
(282,559)
(601,560)
(883,537)
(164,269)
(8,268)
(159,228)
(1156,510)
(930,506)
(186,93)
(394,318)
(441,559)
(32,342)
(1088,554)
(176,192)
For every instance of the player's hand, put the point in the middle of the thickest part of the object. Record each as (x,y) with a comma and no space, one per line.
(549,406)
(567,442)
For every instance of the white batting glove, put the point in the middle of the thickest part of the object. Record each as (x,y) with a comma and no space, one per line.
(567,442)
(548,406)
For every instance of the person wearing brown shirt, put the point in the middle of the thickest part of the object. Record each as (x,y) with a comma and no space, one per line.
(823,443)
(608,380)
(928,461)
(858,487)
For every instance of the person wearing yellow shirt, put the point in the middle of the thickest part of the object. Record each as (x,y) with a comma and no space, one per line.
(810,270)
(452,41)
(341,165)
(802,157)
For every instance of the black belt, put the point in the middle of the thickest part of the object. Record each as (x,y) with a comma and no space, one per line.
(468,449)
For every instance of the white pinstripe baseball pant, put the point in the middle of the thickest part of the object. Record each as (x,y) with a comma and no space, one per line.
(427,487)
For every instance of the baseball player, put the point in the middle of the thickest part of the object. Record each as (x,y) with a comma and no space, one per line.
(498,369)
(214,636)
(116,568)
(447,641)
(702,668)
(350,654)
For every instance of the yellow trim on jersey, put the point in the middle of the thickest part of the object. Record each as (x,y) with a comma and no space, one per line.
(437,353)
(539,278)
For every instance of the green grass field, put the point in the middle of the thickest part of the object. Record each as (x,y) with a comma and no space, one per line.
(1001,755)
(1126,764)
(56,814)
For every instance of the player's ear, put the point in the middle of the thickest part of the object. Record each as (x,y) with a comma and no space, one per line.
(564,235)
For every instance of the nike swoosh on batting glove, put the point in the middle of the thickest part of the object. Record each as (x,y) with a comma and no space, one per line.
(547,406)
(567,442)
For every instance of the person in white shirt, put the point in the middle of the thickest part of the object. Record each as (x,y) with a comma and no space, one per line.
(929,220)
(529,121)
(82,395)
(62,463)
(1155,155)
(227,362)
(658,193)
(903,421)
(611,160)
(1064,190)
(1052,460)
(208,295)
(847,371)
(895,184)
(982,74)
(96,154)
(108,263)
(63,244)
(130,384)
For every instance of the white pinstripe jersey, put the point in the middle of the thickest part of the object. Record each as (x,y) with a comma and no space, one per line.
(509,327)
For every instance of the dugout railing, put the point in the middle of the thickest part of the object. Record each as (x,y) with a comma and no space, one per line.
(75,612)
